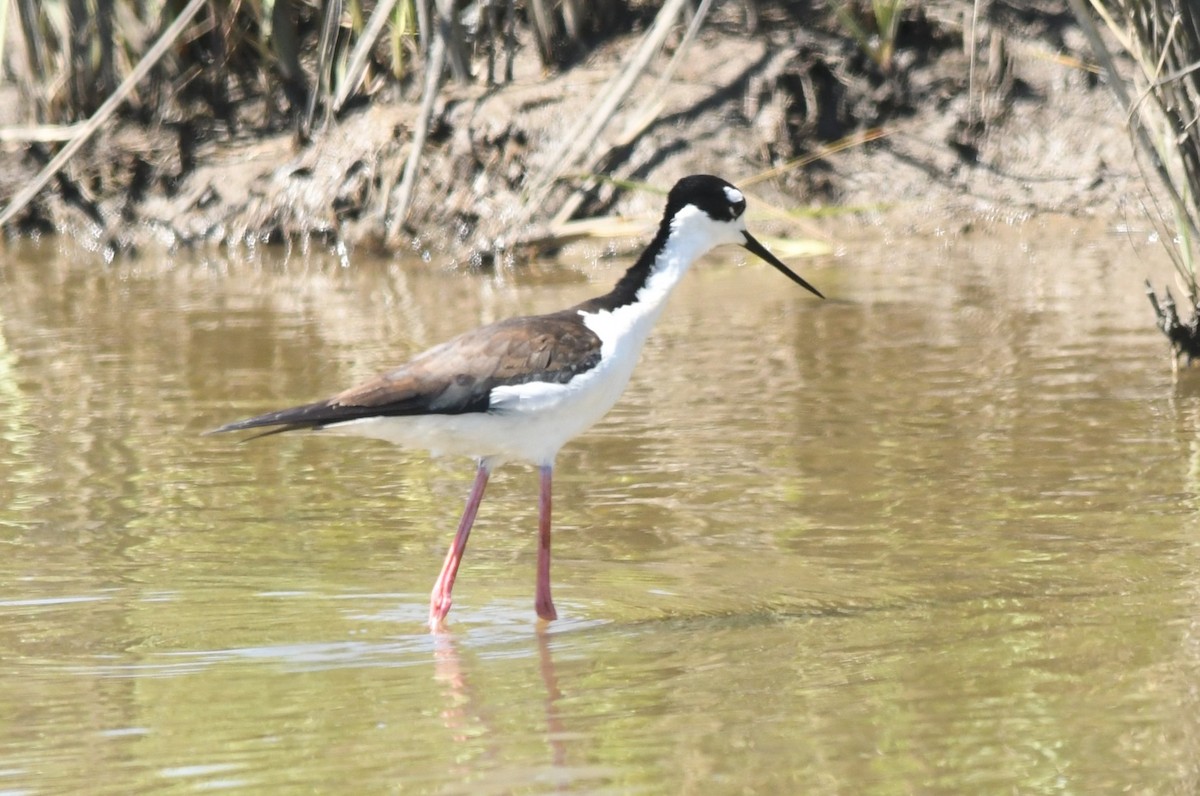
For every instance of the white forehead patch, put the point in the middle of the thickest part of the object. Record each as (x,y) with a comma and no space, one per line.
(733,195)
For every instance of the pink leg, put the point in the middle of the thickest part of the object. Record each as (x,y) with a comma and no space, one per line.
(439,600)
(543,603)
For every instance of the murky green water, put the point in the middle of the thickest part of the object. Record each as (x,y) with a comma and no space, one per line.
(935,535)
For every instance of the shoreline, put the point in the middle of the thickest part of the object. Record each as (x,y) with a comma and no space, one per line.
(1016,131)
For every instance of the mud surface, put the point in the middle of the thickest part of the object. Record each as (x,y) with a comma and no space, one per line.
(992,118)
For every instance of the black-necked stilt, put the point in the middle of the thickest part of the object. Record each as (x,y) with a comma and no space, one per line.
(520,388)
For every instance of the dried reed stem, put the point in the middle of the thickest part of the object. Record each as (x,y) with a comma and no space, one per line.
(26,195)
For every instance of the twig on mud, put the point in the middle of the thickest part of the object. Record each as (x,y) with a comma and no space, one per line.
(3,28)
(642,119)
(543,28)
(597,228)
(580,137)
(451,30)
(102,113)
(433,79)
(573,202)
(362,51)
(331,12)
(423,26)
(857,139)
(41,134)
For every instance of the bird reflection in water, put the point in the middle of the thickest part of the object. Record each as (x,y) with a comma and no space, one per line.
(464,713)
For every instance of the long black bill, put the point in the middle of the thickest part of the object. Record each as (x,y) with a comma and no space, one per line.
(756,248)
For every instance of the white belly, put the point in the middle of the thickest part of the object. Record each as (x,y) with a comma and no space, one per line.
(527,422)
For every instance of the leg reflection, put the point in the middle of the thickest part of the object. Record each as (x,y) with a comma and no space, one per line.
(470,719)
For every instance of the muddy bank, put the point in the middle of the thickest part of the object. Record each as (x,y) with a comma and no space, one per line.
(995,119)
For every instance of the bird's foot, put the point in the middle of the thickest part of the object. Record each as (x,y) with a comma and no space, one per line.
(439,607)
(545,610)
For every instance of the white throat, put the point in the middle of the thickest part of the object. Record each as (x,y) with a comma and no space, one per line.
(693,235)
(624,330)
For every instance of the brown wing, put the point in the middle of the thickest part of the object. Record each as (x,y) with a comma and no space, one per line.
(457,376)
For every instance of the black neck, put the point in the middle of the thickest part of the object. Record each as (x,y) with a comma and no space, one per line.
(627,287)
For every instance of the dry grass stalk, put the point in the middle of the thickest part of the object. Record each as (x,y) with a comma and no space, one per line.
(576,142)
(640,120)
(433,80)
(102,114)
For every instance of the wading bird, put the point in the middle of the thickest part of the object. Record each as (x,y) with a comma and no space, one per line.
(520,388)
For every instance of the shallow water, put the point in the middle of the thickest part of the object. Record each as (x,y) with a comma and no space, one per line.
(936,535)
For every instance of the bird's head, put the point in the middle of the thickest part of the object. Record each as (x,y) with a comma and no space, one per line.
(708,206)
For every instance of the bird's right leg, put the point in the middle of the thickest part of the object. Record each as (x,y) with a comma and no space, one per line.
(439,600)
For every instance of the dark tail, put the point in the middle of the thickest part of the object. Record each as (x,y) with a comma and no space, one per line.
(298,418)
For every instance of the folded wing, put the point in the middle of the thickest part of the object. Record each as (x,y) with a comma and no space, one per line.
(455,377)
